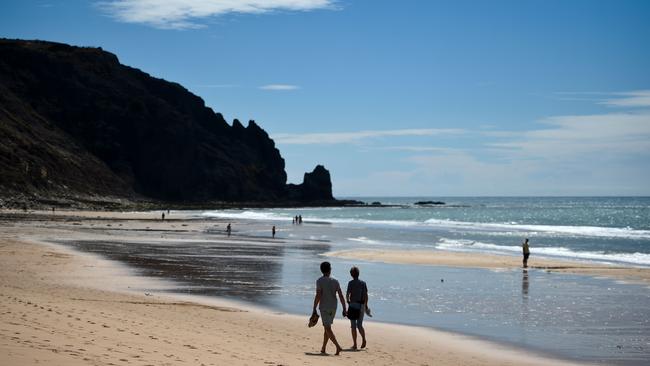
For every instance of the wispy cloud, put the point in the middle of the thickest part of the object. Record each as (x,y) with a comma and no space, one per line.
(573,154)
(279,87)
(419,149)
(639,98)
(356,136)
(184,14)
(217,86)
(582,135)
(628,99)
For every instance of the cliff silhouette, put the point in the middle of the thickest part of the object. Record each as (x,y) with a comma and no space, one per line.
(74,121)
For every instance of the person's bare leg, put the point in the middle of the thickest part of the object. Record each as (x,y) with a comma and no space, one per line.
(330,333)
(354,337)
(325,339)
(363,337)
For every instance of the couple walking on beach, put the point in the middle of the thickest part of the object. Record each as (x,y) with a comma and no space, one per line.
(327,288)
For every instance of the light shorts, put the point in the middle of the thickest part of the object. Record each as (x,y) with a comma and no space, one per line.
(358,323)
(327,316)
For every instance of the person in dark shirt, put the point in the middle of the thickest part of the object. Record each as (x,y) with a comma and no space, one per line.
(357,297)
(526,251)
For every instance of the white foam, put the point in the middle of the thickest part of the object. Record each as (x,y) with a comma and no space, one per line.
(265,215)
(247,215)
(512,228)
(364,240)
(593,231)
(557,252)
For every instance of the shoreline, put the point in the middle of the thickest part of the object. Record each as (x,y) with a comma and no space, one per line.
(54,313)
(436,257)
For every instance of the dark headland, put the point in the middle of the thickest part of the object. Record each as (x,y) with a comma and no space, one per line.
(79,129)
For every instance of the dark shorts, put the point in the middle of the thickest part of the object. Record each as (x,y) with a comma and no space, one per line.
(526,256)
(358,323)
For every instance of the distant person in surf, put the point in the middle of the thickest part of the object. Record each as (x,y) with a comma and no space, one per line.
(300,219)
(526,251)
(163,216)
(273,231)
(357,297)
(228,229)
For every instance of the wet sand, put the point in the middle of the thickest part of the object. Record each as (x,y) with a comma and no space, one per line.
(62,308)
(492,261)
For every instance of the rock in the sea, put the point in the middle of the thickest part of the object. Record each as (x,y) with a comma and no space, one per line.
(316,186)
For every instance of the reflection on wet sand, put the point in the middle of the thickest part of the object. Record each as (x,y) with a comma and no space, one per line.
(524,285)
(250,271)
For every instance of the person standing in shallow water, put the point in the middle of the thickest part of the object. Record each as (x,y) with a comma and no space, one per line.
(357,296)
(326,290)
(273,231)
(228,229)
(526,251)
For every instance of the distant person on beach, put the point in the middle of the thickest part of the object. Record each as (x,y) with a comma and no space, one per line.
(357,296)
(273,231)
(526,250)
(163,216)
(300,219)
(228,229)
(326,290)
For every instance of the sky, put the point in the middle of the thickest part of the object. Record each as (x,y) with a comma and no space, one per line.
(401,98)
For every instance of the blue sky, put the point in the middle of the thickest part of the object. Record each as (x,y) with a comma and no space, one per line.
(407,98)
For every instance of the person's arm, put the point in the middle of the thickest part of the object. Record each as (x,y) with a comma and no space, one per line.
(342,301)
(347,294)
(365,295)
(319,291)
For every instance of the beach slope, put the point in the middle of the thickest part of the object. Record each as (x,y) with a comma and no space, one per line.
(47,318)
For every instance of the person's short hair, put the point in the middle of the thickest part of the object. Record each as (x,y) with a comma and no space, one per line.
(325,267)
(354,272)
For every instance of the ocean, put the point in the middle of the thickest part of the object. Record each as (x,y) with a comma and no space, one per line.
(598,229)
(585,318)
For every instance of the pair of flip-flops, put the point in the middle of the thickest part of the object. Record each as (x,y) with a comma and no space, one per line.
(313,320)
(368,312)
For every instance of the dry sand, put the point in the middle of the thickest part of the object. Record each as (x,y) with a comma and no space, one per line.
(492,261)
(59,308)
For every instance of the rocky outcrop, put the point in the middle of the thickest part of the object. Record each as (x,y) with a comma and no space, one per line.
(316,186)
(73,119)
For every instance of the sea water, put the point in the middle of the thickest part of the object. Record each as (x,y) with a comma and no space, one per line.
(599,229)
(572,316)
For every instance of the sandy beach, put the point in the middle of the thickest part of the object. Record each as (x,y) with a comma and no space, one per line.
(490,261)
(63,308)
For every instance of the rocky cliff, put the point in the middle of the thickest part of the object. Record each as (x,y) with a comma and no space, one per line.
(73,119)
